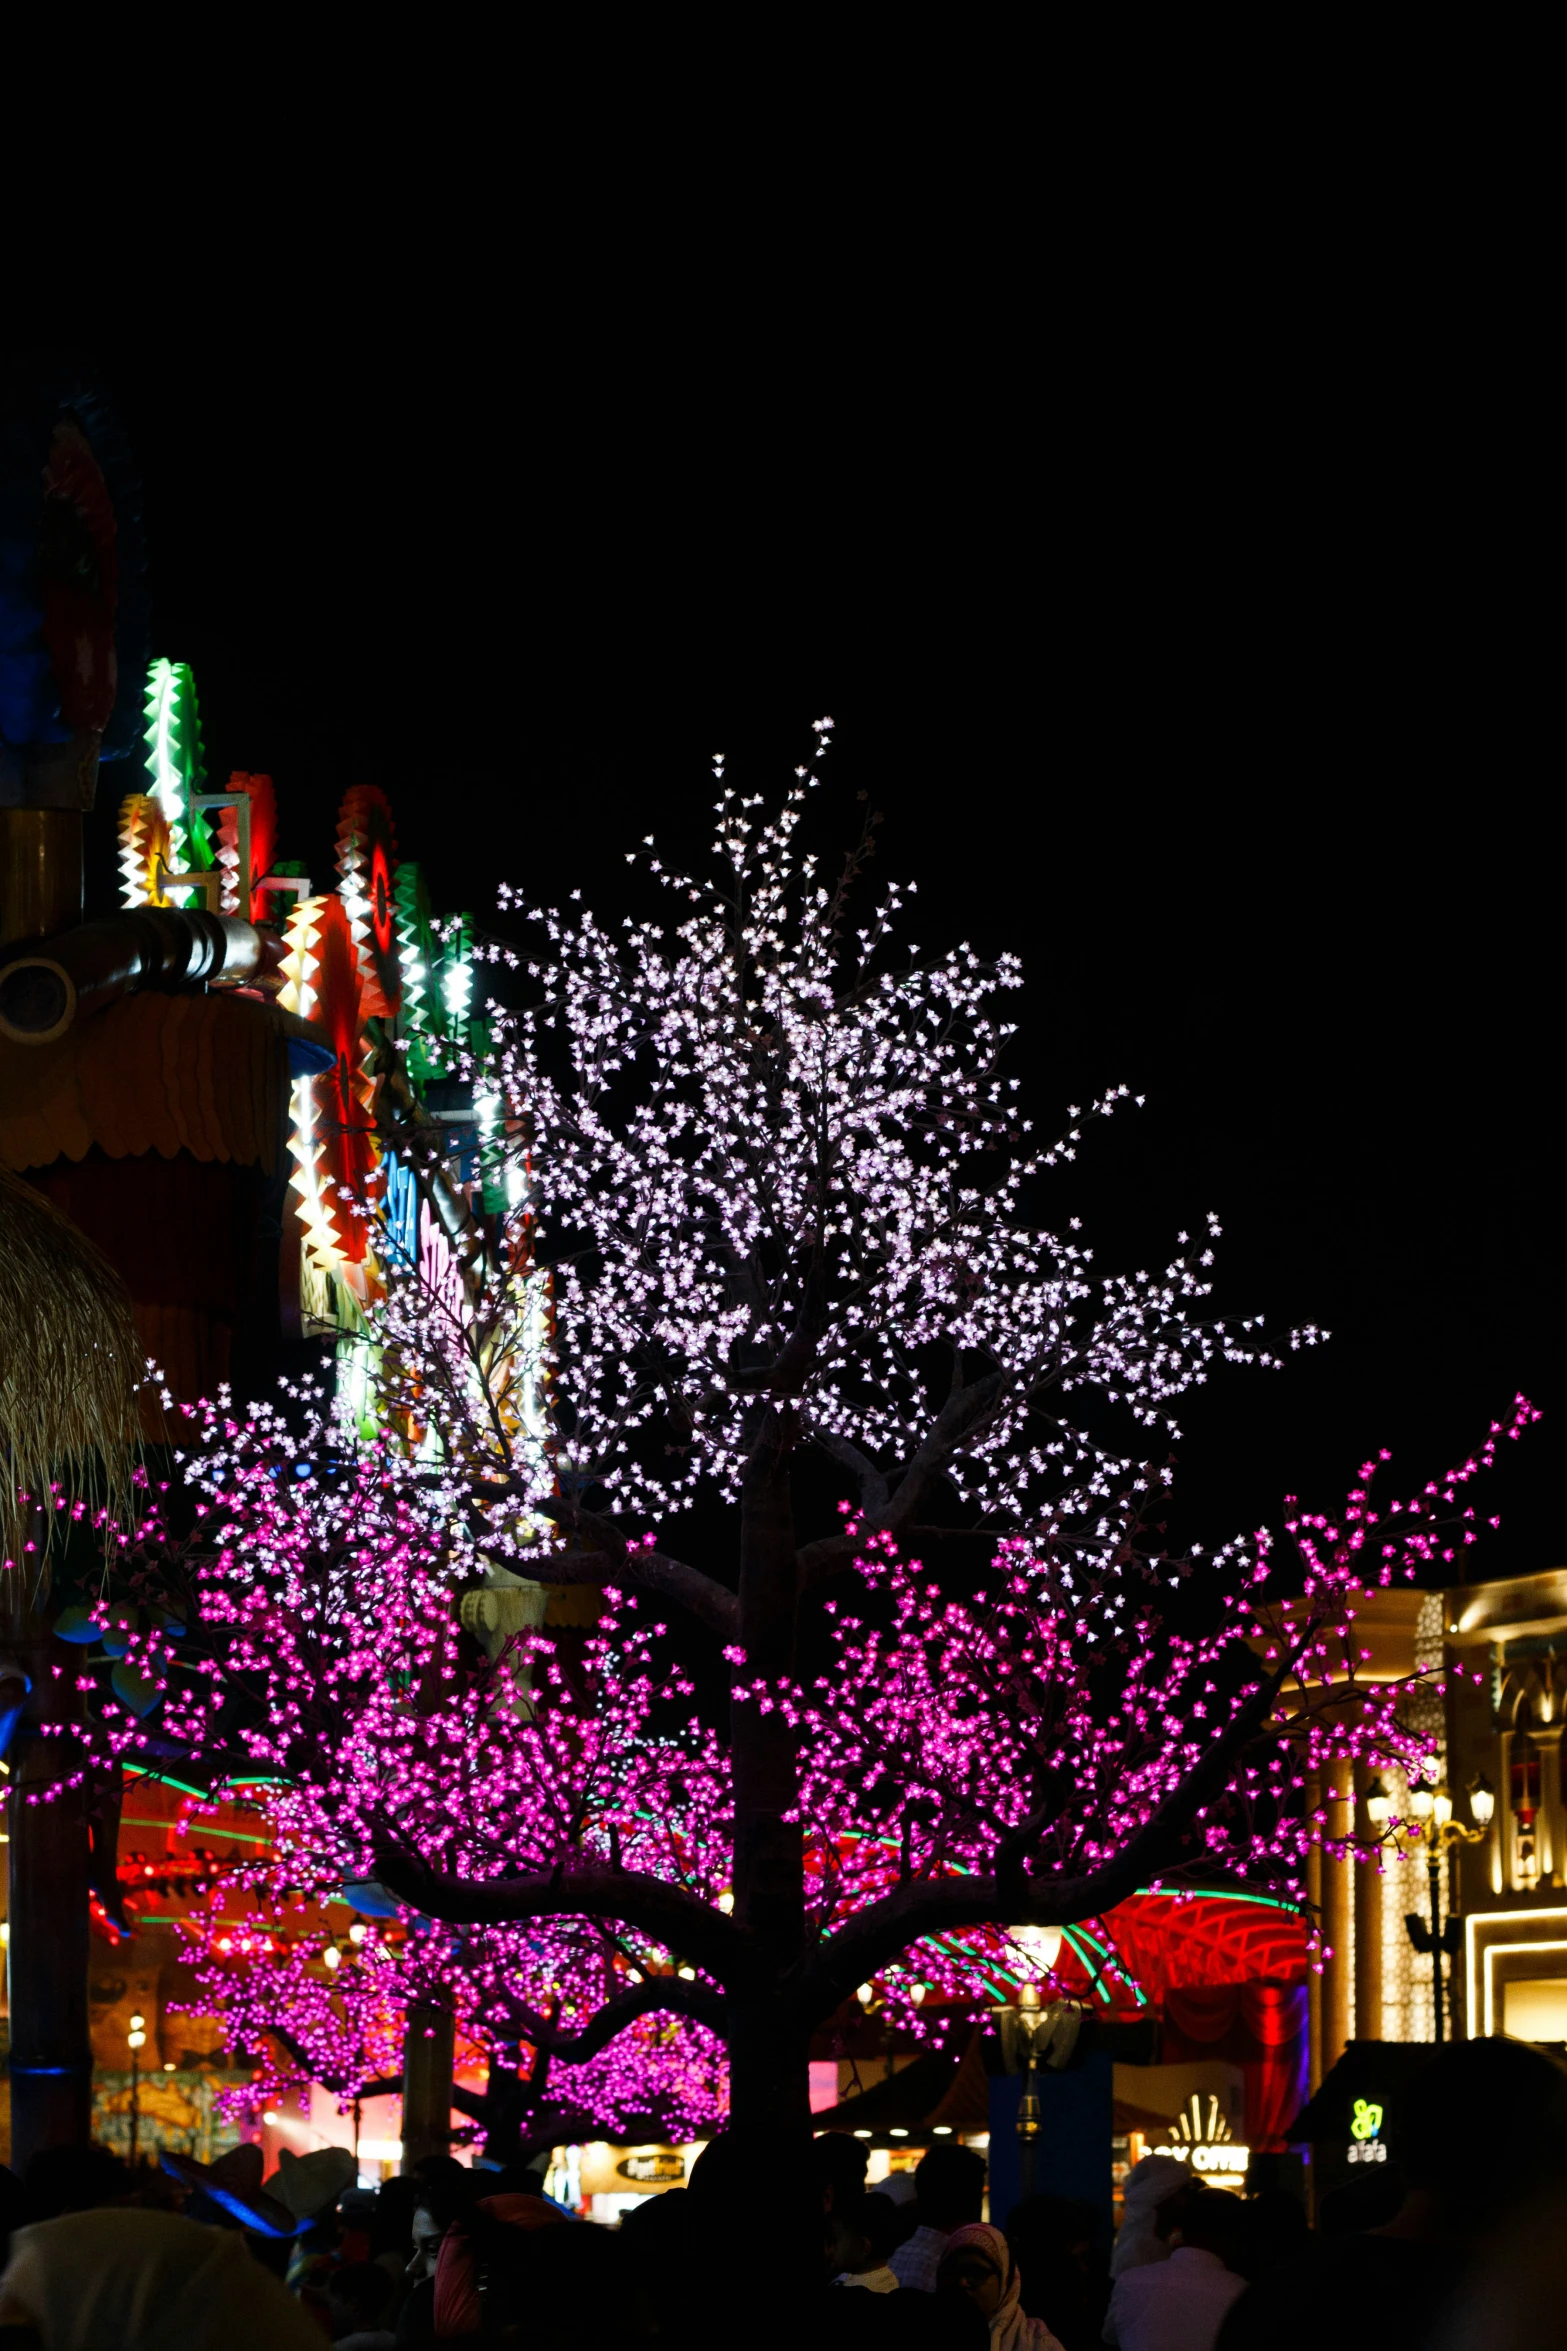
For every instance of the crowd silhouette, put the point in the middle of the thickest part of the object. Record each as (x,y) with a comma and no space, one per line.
(1462,2247)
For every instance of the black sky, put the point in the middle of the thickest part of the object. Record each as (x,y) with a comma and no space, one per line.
(1232,731)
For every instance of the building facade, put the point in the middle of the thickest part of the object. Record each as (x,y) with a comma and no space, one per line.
(1494,1713)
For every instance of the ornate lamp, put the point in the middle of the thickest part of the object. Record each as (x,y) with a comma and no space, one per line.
(1439,1832)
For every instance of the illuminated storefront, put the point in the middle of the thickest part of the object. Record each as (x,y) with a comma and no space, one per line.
(1506,1732)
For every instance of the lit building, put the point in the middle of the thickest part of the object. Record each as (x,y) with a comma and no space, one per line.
(1505,1734)
(1491,1833)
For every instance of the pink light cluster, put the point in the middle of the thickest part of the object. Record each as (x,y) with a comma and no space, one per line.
(939,1727)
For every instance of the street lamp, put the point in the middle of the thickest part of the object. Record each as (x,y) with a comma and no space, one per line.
(137,2038)
(1042,1946)
(1439,1832)
(1029,2031)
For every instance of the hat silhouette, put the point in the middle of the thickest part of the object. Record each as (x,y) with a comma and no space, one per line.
(234,2182)
(311,2184)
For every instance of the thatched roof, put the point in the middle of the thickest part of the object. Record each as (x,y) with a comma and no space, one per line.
(70,1366)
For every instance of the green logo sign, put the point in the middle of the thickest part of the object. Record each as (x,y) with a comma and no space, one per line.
(1367,2122)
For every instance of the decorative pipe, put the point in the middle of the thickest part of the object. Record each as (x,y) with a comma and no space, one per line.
(40,872)
(43,988)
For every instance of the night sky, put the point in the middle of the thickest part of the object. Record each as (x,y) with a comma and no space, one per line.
(1235,750)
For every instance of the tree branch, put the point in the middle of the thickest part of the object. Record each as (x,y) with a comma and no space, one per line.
(684,1924)
(605,1554)
(877,1934)
(957,1419)
(552,2126)
(872,1484)
(654,1996)
(473,2103)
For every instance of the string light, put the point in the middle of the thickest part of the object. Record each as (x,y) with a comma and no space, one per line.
(768,1176)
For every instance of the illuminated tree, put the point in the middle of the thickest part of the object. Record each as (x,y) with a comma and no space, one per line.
(770,1234)
(305,1629)
(302,2005)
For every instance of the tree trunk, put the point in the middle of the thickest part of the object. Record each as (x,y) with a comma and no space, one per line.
(769,2074)
(761,2204)
(51,2049)
(508,2104)
(769,2078)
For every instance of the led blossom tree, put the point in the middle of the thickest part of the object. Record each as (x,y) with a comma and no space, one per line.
(304,2008)
(777,1178)
(304,1628)
(776,1183)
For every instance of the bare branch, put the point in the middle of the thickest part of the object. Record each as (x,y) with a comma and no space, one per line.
(958,1418)
(682,1922)
(654,1996)
(605,1556)
(878,1934)
(872,1484)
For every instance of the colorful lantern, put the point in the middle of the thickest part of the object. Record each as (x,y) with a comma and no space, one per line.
(146,850)
(174,762)
(335,1154)
(367,862)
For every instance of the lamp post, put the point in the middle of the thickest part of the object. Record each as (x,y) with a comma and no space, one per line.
(1439,1832)
(1027,2031)
(137,2037)
(873,2003)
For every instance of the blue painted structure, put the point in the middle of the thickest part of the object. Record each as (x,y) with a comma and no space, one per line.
(1072,2158)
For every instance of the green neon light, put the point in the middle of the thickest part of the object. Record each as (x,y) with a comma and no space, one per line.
(1214,1894)
(1108,1958)
(174,762)
(1095,1974)
(235,1836)
(149,1918)
(1005,1975)
(1368,2120)
(418,953)
(137,1779)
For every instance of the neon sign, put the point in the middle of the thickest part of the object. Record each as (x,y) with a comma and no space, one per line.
(1227,2156)
(1367,2122)
(1204,2142)
(663,2164)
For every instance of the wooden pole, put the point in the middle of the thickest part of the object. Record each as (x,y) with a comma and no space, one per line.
(1313,1980)
(51,2050)
(40,872)
(428,2059)
(1336,1915)
(1368,1926)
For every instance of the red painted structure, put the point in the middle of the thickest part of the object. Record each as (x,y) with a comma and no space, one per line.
(1224,1972)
